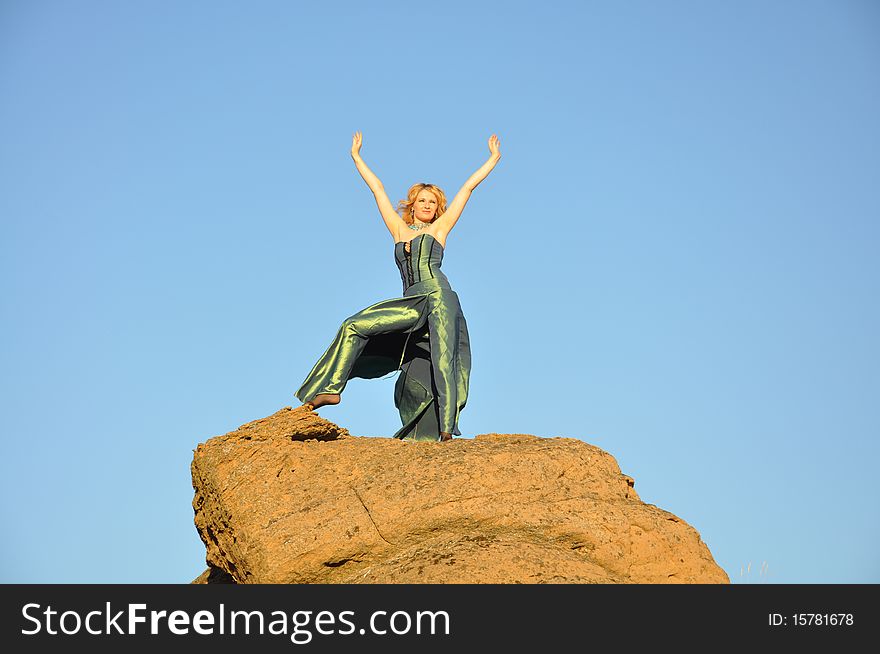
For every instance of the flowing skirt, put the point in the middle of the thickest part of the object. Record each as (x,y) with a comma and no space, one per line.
(424,335)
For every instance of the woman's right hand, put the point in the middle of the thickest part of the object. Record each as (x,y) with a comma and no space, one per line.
(356,142)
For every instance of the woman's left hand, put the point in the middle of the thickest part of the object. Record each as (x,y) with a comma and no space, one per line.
(494,145)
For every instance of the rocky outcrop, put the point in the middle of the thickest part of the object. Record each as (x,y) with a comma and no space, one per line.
(293,498)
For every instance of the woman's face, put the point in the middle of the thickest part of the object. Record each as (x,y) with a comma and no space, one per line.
(425,206)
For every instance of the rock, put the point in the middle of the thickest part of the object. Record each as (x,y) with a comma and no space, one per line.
(213,576)
(293,498)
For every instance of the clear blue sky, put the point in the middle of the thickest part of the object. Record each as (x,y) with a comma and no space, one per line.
(675,260)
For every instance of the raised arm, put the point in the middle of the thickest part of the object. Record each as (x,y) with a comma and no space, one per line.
(447,221)
(392,219)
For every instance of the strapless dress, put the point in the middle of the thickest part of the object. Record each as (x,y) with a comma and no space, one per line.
(423,334)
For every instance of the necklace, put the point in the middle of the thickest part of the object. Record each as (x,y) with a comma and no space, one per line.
(420,227)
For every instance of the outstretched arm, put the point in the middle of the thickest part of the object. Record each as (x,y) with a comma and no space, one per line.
(447,221)
(392,219)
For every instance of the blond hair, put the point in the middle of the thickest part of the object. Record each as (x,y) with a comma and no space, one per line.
(404,207)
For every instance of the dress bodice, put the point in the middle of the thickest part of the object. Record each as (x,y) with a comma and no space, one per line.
(420,261)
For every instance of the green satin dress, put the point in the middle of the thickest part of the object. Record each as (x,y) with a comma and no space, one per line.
(423,334)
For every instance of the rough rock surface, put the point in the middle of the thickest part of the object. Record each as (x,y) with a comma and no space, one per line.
(293,498)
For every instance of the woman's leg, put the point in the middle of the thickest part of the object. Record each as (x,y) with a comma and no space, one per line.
(330,374)
(434,380)
(444,361)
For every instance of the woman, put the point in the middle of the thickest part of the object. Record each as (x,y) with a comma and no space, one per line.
(423,333)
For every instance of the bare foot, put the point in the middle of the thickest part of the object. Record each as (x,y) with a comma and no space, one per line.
(445,436)
(322,399)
